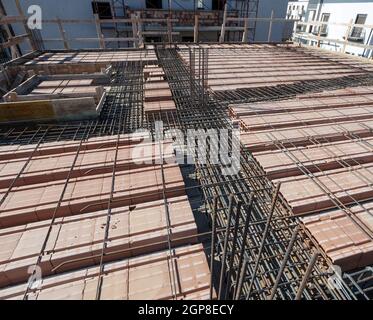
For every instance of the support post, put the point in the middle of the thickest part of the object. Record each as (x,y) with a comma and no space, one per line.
(222,33)
(319,35)
(270,26)
(63,34)
(99,33)
(139,30)
(196,28)
(245,35)
(348,31)
(169,29)
(134,30)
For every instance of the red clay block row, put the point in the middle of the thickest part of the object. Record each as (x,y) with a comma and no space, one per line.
(23,151)
(295,119)
(315,103)
(353,91)
(306,195)
(301,136)
(145,277)
(85,194)
(134,230)
(242,83)
(279,163)
(89,162)
(342,239)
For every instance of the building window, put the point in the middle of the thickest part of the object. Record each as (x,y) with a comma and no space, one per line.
(154,4)
(218,4)
(200,4)
(324,18)
(358,32)
(311,17)
(102,9)
(187,39)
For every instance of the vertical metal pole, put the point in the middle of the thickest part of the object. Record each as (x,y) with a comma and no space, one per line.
(224,257)
(213,238)
(284,261)
(245,35)
(99,32)
(203,76)
(169,30)
(347,34)
(245,231)
(270,26)
(139,30)
(134,30)
(191,72)
(273,206)
(306,276)
(196,28)
(241,279)
(319,35)
(233,252)
(222,32)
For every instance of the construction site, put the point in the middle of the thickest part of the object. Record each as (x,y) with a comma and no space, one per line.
(104,197)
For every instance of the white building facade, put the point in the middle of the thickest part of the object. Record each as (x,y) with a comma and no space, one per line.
(297,10)
(341,12)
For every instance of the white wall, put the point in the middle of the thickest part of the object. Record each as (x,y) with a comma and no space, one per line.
(342,11)
(297,13)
